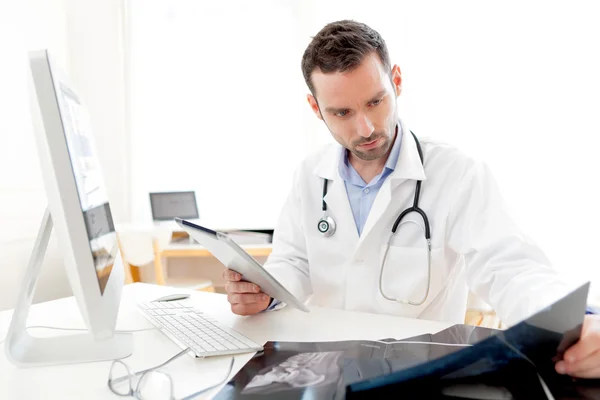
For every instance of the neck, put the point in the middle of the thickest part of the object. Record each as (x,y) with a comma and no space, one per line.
(371,168)
(367,169)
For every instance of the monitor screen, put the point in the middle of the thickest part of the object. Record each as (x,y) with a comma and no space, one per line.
(170,205)
(93,199)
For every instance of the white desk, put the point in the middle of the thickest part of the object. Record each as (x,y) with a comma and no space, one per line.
(152,347)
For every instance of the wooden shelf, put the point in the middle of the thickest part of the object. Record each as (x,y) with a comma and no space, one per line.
(183,250)
(191,250)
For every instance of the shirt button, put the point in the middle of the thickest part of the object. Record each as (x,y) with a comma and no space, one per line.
(366,191)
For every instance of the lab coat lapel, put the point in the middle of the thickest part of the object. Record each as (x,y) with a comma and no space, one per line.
(408,167)
(379,206)
(409,164)
(338,205)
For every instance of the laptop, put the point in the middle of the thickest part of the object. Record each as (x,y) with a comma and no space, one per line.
(166,206)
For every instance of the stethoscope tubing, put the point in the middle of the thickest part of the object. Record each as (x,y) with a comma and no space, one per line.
(329,222)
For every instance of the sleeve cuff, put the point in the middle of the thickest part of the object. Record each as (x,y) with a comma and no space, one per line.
(275,305)
(590,310)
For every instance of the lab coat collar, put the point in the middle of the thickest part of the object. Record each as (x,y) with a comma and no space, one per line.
(408,166)
(327,166)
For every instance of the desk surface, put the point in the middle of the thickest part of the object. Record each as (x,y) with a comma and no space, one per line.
(152,347)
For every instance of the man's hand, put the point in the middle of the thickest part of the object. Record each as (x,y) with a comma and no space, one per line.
(582,360)
(245,297)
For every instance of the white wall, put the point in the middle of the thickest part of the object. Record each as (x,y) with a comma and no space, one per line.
(22,195)
(87,47)
(214,86)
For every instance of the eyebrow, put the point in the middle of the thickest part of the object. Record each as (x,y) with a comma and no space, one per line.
(335,110)
(378,95)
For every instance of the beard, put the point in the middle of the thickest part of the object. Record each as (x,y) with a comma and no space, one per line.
(372,154)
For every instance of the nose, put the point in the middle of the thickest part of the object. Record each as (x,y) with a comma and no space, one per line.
(364,126)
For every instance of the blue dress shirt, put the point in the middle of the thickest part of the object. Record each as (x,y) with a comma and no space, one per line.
(360,193)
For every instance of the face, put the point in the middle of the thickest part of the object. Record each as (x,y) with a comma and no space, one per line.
(359,107)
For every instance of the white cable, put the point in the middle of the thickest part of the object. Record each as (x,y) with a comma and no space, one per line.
(543,384)
(414,342)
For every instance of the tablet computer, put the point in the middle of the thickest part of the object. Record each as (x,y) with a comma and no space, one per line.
(235,258)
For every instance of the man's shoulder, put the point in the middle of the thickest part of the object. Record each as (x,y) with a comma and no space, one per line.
(435,147)
(440,153)
(327,153)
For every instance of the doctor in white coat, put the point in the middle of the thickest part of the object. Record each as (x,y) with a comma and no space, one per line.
(329,250)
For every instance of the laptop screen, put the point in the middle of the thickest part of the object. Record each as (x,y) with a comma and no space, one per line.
(169,205)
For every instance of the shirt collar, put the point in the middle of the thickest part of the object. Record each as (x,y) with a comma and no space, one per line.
(408,166)
(344,164)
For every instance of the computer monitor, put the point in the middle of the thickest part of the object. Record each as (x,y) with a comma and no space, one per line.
(79,209)
(166,206)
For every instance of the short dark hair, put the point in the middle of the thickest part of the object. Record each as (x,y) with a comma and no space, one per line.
(341,46)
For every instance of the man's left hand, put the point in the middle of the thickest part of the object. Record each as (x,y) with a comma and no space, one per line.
(582,360)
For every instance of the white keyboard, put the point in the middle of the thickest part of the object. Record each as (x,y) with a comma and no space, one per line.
(188,327)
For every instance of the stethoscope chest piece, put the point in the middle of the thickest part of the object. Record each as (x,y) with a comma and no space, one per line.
(326,226)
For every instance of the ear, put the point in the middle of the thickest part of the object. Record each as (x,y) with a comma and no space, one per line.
(314,105)
(397,79)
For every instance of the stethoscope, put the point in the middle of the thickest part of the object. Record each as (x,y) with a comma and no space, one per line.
(326,227)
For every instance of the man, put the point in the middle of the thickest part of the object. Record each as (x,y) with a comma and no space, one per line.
(369,181)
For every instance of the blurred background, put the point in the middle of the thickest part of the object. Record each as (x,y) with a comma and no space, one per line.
(209,97)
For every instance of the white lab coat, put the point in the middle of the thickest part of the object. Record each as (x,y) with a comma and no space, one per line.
(475,244)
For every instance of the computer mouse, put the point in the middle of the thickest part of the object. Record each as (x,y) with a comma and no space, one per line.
(173,297)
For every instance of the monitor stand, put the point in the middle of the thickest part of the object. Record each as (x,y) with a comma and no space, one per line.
(24,350)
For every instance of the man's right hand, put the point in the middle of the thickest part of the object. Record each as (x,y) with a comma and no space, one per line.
(245,297)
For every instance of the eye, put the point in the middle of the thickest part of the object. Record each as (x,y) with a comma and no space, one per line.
(376,102)
(342,113)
